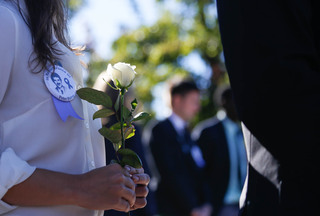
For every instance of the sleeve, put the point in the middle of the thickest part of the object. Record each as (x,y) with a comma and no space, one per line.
(8,47)
(13,170)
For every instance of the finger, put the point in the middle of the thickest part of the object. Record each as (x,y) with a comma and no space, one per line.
(142,179)
(127,174)
(141,191)
(128,195)
(140,203)
(129,183)
(123,205)
(132,170)
(139,170)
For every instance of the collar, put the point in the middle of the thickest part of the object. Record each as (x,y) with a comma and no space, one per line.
(178,123)
(231,126)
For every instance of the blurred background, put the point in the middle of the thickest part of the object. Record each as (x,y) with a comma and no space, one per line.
(165,39)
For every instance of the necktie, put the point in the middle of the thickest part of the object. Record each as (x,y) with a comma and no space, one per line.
(187,138)
(193,148)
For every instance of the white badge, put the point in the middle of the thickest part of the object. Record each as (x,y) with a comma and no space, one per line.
(60,83)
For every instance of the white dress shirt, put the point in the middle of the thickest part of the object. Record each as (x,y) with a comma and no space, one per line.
(32,135)
(238,160)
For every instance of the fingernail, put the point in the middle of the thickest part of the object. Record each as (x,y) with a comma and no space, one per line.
(128,168)
(135,178)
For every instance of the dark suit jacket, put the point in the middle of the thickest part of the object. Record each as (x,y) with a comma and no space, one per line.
(181,185)
(272,51)
(211,138)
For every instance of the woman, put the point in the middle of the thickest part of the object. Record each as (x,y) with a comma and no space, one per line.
(50,166)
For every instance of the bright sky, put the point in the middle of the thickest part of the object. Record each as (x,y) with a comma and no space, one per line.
(106,18)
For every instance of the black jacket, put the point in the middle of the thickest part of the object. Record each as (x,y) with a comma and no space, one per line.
(272,54)
(181,186)
(212,140)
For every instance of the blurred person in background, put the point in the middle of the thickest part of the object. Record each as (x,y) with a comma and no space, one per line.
(181,189)
(221,141)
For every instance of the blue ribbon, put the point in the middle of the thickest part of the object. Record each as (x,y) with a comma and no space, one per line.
(68,83)
(65,109)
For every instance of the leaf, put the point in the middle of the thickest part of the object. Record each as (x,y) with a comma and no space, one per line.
(140,116)
(117,83)
(126,114)
(117,126)
(113,136)
(94,96)
(103,113)
(129,132)
(129,157)
(111,86)
(117,146)
(134,104)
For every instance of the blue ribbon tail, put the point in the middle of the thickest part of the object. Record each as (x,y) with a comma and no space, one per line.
(65,109)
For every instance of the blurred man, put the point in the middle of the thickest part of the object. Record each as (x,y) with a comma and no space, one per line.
(221,141)
(181,189)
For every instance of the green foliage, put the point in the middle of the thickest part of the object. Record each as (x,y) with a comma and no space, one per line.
(74,5)
(156,51)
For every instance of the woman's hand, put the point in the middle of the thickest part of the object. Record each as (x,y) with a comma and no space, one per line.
(109,187)
(141,180)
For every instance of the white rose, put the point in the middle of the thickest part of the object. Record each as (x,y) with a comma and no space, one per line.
(122,74)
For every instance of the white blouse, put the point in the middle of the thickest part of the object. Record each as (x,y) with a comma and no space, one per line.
(32,135)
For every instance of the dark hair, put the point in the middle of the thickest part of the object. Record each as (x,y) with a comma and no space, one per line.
(53,75)
(45,19)
(227,94)
(222,94)
(183,88)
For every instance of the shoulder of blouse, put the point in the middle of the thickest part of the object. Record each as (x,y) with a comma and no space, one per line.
(7,45)
(7,17)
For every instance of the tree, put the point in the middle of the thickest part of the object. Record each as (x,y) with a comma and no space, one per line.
(157,50)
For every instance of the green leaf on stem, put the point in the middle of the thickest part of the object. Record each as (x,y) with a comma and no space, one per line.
(117,126)
(134,104)
(127,115)
(129,132)
(111,86)
(113,136)
(117,83)
(129,157)
(140,116)
(94,96)
(103,113)
(117,146)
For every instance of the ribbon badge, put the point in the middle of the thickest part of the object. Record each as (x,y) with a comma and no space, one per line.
(61,86)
